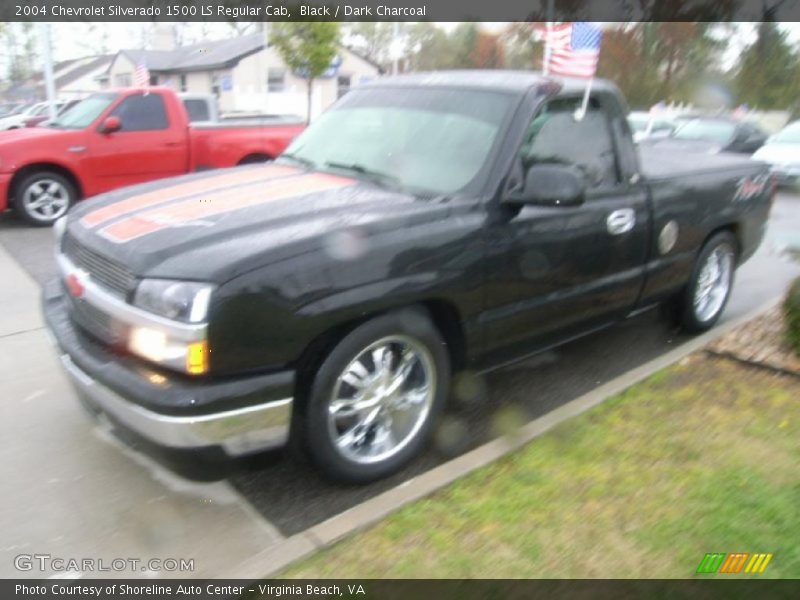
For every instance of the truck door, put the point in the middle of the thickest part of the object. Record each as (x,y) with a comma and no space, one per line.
(150,144)
(557,271)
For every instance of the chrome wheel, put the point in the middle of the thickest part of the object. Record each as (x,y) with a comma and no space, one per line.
(713,283)
(382,399)
(46,199)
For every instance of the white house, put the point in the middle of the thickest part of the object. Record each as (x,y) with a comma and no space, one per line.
(244,73)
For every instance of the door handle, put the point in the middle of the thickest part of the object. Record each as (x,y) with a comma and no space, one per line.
(621,221)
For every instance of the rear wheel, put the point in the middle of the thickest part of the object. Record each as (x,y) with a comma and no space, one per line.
(43,197)
(375,397)
(710,286)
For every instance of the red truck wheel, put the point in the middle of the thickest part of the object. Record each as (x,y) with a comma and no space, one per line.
(43,197)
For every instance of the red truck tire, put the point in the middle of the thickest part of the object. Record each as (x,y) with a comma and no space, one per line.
(43,197)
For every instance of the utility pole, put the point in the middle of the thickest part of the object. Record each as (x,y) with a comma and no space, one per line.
(50,85)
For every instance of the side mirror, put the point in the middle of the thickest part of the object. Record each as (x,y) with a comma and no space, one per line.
(110,125)
(550,185)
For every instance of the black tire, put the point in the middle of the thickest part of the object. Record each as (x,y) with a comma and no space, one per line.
(691,319)
(65,189)
(313,419)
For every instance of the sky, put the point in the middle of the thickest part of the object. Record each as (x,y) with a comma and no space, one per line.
(74,40)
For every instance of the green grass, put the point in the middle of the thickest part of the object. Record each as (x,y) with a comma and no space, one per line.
(702,457)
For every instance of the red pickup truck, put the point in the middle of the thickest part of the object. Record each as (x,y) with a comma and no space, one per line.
(118,138)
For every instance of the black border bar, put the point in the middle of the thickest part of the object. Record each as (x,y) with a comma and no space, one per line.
(398,10)
(397,589)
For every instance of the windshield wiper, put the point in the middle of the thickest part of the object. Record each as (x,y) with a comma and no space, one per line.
(366,172)
(298,159)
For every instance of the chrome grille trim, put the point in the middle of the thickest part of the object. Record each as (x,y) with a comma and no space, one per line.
(108,273)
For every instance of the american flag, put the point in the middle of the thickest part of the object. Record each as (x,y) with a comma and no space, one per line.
(574,49)
(141,76)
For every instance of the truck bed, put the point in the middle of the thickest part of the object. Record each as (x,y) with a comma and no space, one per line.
(660,162)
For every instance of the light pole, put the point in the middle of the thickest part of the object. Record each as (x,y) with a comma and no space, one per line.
(50,86)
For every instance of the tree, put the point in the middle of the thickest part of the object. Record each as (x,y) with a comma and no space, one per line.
(428,48)
(523,50)
(767,76)
(307,48)
(651,62)
(373,40)
(488,52)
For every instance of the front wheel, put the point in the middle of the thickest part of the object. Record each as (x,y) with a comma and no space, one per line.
(711,283)
(375,398)
(44,197)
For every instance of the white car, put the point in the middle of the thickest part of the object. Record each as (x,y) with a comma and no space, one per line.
(782,152)
(17,120)
(645,125)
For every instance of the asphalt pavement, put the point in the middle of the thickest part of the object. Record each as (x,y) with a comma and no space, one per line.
(288,494)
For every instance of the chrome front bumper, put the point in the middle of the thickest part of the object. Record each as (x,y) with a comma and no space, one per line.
(238,432)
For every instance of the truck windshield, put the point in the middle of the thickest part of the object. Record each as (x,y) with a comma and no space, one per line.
(428,141)
(84,112)
(709,130)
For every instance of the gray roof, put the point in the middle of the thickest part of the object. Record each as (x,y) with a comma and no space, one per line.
(199,57)
(74,74)
(510,81)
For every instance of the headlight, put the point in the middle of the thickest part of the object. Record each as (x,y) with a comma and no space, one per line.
(185,301)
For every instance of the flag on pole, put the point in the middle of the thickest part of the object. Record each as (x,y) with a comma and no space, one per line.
(574,49)
(141,76)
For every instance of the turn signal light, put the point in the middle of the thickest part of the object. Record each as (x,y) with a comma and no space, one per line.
(197,358)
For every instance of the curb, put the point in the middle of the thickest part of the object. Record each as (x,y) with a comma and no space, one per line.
(369,512)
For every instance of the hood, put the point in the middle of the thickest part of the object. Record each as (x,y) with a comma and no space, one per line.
(779,154)
(214,226)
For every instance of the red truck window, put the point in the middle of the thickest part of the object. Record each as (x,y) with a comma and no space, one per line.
(142,112)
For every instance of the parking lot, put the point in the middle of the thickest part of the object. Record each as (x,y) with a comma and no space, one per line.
(115,496)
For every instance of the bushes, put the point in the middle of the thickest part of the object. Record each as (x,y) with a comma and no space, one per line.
(791,307)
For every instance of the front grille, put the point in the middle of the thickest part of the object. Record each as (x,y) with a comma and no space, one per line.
(102,270)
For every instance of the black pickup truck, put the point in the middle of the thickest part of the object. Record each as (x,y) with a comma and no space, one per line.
(425,225)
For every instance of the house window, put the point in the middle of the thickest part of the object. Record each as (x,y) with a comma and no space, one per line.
(184,86)
(123,80)
(276,80)
(342,85)
(153,79)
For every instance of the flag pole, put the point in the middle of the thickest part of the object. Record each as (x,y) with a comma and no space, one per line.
(581,112)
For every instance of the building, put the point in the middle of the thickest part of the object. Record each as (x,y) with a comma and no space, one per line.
(245,73)
(73,78)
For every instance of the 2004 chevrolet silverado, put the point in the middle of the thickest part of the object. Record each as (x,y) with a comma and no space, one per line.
(426,224)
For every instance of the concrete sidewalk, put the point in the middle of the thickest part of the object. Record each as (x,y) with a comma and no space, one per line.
(68,494)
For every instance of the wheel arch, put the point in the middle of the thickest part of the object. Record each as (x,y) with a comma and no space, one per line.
(733,228)
(43,166)
(444,315)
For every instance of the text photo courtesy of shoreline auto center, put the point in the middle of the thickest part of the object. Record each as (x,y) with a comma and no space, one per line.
(399,299)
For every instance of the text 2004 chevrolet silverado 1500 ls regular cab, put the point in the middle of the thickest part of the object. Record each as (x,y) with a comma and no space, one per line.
(118,138)
(426,224)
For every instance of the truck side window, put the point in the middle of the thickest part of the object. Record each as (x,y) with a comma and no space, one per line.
(142,113)
(554,136)
(197,110)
